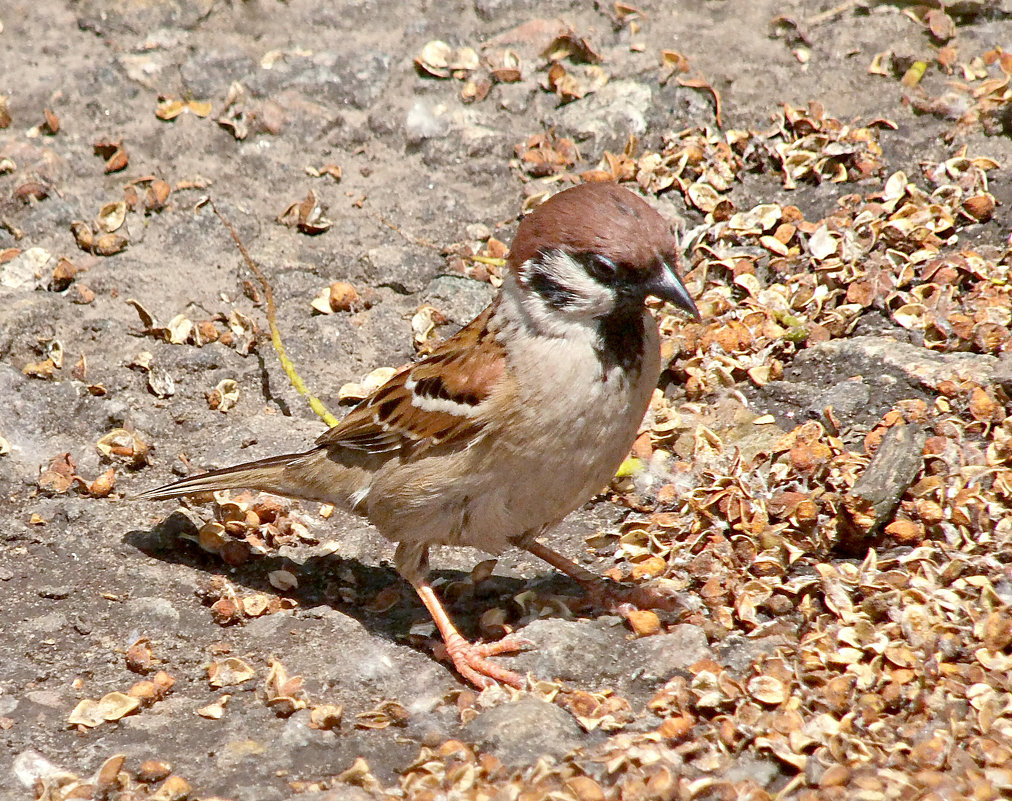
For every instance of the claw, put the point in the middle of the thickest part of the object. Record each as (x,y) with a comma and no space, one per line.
(471,660)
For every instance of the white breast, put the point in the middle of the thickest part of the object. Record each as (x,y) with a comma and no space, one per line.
(570,421)
(575,421)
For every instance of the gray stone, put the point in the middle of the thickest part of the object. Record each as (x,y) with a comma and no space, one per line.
(299,734)
(789,401)
(260,792)
(209,74)
(212,356)
(659,657)
(240,754)
(458,297)
(54,591)
(398,266)
(112,17)
(497,9)
(514,97)
(44,624)
(46,698)
(520,732)
(30,767)
(353,79)
(591,653)
(445,134)
(606,118)
(166,714)
(20,272)
(382,122)
(814,771)
(918,367)
(267,627)
(37,417)
(151,614)
(343,792)
(848,398)
(480,140)
(737,653)
(1003,373)
(426,119)
(891,371)
(478,230)
(583,652)
(361,662)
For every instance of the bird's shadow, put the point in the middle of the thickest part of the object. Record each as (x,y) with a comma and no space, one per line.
(377,596)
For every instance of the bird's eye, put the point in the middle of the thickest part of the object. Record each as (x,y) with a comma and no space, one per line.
(600,267)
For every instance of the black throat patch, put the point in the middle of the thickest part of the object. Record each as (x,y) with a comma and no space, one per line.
(621,336)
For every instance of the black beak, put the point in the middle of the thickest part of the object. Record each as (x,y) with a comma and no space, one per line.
(666,285)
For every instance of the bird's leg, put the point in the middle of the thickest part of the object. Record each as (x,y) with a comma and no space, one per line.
(616,597)
(470,659)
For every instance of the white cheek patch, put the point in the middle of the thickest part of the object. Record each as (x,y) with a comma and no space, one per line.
(588,297)
(578,320)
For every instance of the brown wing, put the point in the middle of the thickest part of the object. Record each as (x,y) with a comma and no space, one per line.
(430,403)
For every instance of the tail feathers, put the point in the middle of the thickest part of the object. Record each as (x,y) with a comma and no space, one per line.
(266,475)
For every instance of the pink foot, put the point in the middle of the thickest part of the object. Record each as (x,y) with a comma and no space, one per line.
(471,660)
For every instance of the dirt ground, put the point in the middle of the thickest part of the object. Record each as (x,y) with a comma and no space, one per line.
(86,574)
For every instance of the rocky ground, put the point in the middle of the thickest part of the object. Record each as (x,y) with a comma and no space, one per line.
(824,477)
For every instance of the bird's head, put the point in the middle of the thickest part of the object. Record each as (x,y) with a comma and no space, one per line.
(597,249)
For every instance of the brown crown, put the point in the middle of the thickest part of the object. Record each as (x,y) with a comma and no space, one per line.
(599,218)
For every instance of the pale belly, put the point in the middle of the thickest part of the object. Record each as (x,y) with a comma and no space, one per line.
(508,485)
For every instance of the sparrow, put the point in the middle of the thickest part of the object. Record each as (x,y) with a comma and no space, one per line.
(513,422)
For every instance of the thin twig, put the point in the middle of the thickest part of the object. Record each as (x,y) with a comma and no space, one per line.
(296,380)
(410,237)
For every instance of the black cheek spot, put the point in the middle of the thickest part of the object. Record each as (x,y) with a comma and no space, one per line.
(553,293)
